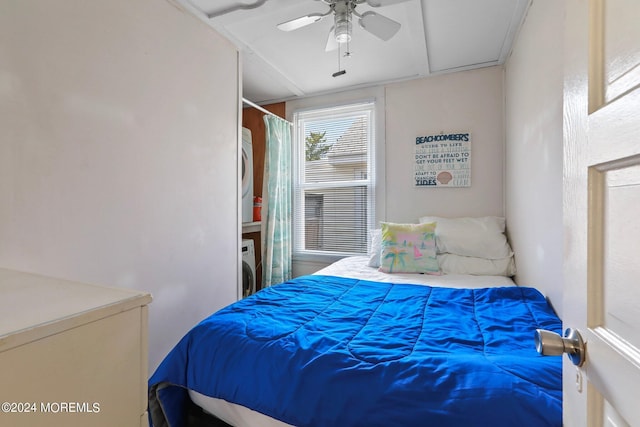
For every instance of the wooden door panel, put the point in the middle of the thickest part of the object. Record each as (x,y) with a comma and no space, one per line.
(613,164)
(622,267)
(621,56)
(602,178)
(615,59)
(615,229)
(613,317)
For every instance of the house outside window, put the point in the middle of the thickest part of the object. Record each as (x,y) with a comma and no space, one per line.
(334,195)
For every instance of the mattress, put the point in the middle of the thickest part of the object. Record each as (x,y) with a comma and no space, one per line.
(440,354)
(233,414)
(356,267)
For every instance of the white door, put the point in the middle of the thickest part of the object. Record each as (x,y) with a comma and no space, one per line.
(602,210)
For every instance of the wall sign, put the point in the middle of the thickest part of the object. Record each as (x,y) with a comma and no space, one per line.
(443,160)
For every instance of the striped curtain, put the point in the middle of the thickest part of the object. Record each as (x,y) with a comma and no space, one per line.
(276,203)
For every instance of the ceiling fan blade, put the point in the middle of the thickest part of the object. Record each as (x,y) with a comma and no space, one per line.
(303,21)
(332,43)
(380,26)
(380,3)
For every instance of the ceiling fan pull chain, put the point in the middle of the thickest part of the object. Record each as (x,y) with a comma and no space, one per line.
(339,72)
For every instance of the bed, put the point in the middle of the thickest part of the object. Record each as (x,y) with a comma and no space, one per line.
(356,346)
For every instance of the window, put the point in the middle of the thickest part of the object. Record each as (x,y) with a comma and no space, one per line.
(334,197)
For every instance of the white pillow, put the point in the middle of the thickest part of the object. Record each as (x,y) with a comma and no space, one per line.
(481,237)
(376,247)
(457,264)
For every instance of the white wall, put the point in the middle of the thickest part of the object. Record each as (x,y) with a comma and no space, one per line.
(533,183)
(119,153)
(468,101)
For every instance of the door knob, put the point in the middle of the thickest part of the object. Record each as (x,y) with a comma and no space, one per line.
(551,344)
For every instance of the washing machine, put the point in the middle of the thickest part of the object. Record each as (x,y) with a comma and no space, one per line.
(248,268)
(247,176)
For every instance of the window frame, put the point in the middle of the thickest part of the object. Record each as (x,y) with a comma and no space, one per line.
(299,187)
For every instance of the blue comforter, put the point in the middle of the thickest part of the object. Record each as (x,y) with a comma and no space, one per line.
(329,351)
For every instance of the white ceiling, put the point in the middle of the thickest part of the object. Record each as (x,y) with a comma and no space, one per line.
(437,36)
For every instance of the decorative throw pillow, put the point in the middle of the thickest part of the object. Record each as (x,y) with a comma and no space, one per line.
(409,248)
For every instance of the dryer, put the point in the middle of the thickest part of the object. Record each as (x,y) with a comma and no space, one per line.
(247,176)
(248,268)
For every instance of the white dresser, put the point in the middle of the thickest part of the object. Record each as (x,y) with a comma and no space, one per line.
(71,354)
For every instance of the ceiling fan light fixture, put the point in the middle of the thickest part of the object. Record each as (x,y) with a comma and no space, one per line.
(343,31)
(343,11)
(343,26)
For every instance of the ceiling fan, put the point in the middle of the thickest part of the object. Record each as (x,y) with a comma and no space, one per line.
(380,26)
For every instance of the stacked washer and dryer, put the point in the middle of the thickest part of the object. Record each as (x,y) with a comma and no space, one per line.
(248,249)
(248,268)
(247,176)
